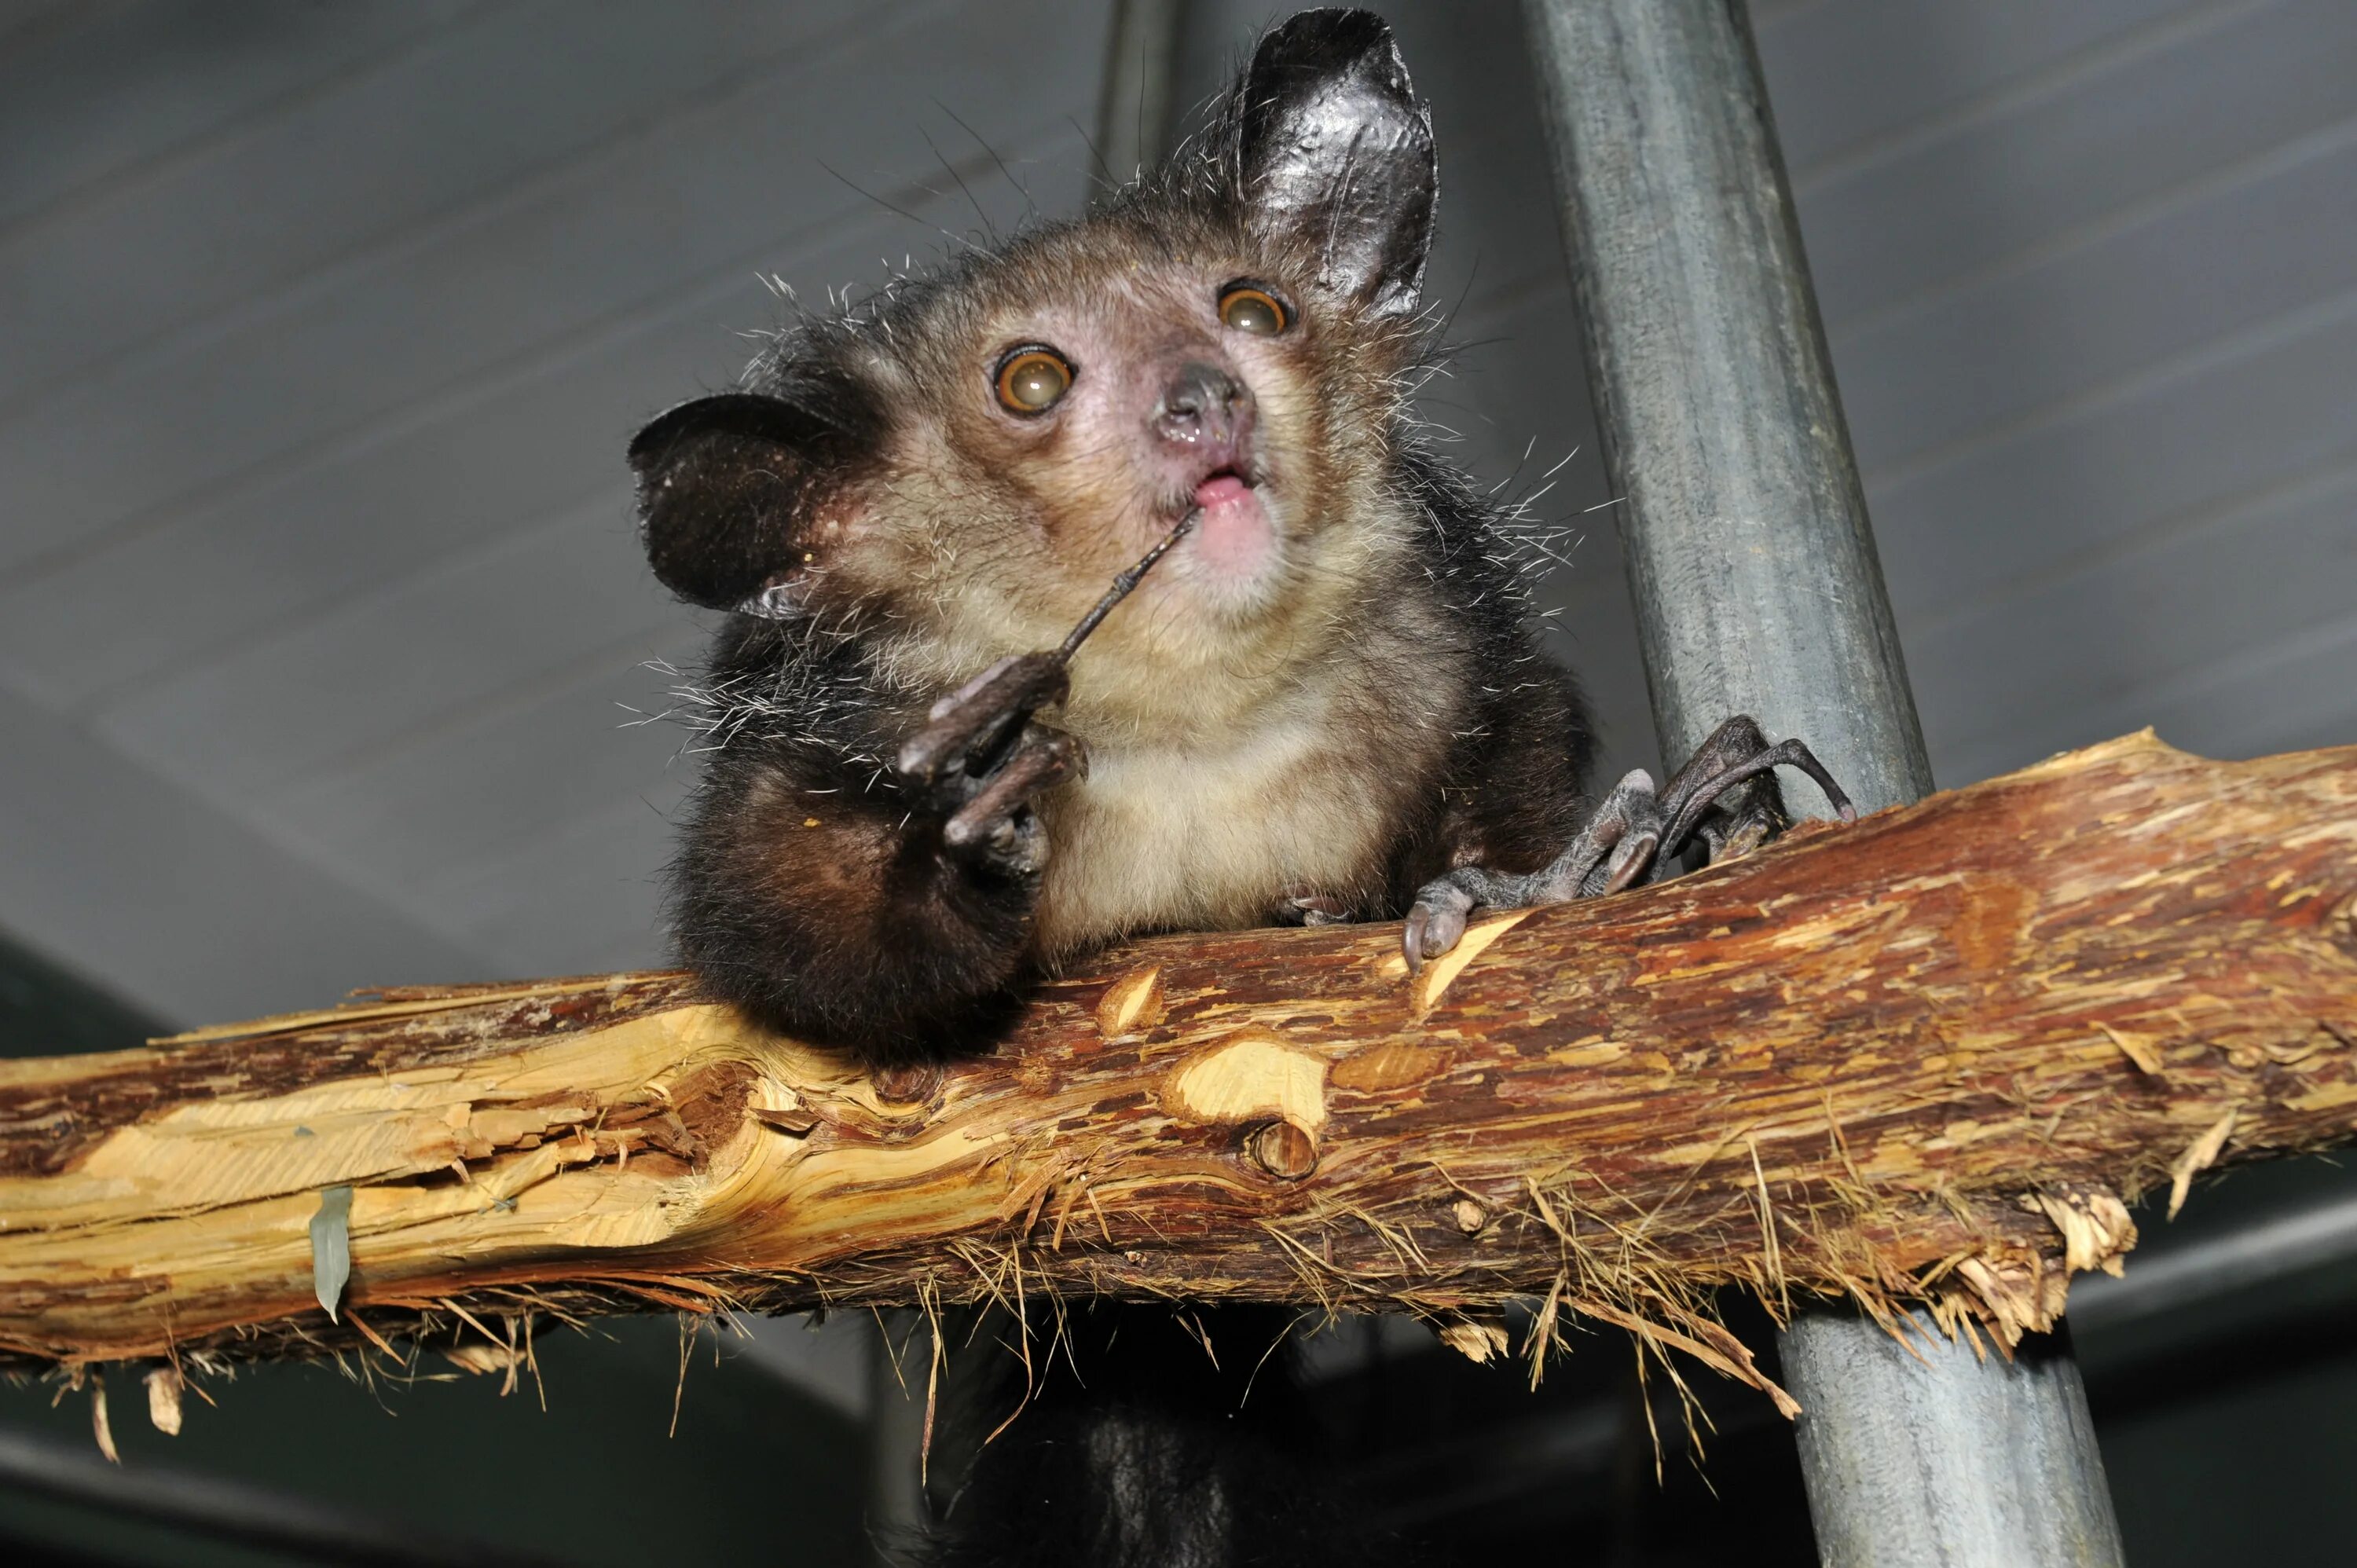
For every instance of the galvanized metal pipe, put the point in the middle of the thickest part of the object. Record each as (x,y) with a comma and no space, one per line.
(1758,591)
(898,1512)
(2262,1254)
(1137,104)
(1929,1454)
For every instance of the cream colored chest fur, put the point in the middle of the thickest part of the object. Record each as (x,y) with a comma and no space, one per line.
(1212,835)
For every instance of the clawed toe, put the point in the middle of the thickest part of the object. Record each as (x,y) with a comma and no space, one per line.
(1727,791)
(1616,848)
(1308,908)
(1436,922)
(968,729)
(1631,859)
(979,759)
(1040,758)
(1430,932)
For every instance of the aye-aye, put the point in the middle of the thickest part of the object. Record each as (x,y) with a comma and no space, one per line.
(1324,703)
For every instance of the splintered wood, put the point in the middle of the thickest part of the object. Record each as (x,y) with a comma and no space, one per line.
(1928,1057)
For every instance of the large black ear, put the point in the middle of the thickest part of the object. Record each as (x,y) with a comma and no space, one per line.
(1336,153)
(728,489)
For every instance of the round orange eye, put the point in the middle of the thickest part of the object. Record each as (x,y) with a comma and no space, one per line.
(1031,381)
(1254,310)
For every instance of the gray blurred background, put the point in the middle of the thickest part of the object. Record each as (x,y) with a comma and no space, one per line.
(322,327)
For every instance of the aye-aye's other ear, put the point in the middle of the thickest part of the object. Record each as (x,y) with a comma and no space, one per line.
(1336,153)
(729,486)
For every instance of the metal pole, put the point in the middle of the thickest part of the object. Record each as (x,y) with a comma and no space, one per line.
(1135,107)
(1949,1459)
(898,1512)
(1758,591)
(204,1509)
(2260,1254)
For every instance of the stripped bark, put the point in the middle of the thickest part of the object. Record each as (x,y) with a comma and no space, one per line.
(1928,1058)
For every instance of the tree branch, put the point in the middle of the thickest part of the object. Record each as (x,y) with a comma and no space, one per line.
(1928,1057)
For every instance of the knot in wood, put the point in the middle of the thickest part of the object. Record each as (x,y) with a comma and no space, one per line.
(911,1083)
(1284,1150)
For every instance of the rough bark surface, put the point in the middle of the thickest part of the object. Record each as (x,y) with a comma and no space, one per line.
(1927,1057)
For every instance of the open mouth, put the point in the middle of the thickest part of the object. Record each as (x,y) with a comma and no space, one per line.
(1222,487)
(1235,539)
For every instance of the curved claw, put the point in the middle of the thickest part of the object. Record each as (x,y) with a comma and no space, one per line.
(1433,928)
(1712,772)
(1041,757)
(1631,859)
(964,729)
(1304,907)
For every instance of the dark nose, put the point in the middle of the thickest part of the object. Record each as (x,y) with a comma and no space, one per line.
(1204,406)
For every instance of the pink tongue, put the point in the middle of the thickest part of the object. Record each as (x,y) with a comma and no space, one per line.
(1219,490)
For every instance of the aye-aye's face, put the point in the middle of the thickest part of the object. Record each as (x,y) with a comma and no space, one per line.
(975,456)
(1092,397)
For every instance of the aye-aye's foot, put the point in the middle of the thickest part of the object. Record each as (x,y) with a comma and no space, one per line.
(1725,795)
(981,759)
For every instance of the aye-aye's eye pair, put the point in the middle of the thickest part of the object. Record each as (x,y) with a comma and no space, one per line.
(1034,377)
